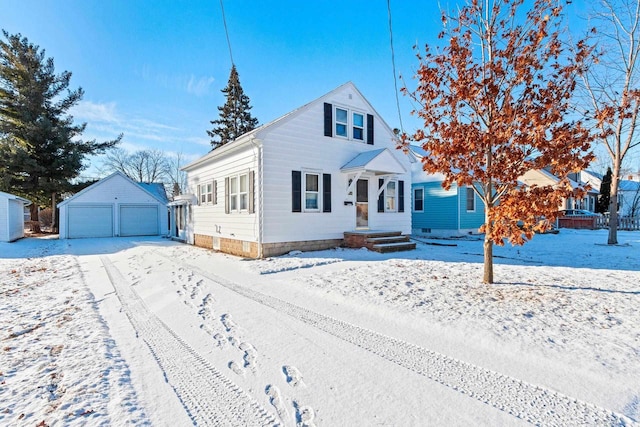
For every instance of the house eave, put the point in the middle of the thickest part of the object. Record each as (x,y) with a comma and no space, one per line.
(248,138)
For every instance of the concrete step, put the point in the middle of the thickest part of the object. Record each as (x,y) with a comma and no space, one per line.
(393,247)
(390,239)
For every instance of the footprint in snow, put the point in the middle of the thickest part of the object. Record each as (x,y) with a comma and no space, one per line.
(250,356)
(294,378)
(220,340)
(228,323)
(276,401)
(304,415)
(206,312)
(236,368)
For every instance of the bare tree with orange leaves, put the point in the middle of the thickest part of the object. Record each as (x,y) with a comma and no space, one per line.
(495,102)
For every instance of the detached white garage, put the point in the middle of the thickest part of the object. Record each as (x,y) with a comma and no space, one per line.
(115,206)
(11,217)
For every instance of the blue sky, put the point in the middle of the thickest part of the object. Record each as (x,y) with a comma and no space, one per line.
(153,70)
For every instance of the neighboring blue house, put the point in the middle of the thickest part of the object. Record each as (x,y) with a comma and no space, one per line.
(435,210)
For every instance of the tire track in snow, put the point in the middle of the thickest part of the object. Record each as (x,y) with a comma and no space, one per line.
(529,402)
(208,397)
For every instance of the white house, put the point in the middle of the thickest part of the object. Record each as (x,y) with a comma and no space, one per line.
(628,191)
(300,182)
(115,206)
(11,217)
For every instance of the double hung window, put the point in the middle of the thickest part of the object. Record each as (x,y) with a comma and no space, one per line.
(206,193)
(311,191)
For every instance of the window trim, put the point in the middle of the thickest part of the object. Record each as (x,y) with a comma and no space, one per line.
(414,199)
(318,192)
(473,199)
(205,193)
(336,122)
(234,195)
(350,124)
(243,193)
(362,128)
(395,196)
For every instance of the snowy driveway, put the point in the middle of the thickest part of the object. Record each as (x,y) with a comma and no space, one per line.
(312,339)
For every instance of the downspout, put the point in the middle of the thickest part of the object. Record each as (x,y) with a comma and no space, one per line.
(258,145)
(459,210)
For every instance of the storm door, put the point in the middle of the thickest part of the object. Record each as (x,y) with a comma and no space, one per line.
(362,203)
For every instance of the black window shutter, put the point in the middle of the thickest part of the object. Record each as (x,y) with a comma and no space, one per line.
(252,208)
(227,207)
(328,119)
(369,129)
(296,191)
(400,196)
(326,192)
(381,196)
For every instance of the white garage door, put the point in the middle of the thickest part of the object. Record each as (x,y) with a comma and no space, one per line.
(90,221)
(139,220)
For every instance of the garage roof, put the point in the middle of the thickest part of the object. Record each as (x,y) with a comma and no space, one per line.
(151,188)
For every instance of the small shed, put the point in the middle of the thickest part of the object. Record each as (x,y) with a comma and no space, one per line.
(115,206)
(11,217)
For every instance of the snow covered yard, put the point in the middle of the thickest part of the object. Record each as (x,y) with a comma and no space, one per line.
(148,331)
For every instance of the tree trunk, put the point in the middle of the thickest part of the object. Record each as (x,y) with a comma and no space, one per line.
(488,261)
(54,217)
(488,249)
(34,224)
(613,206)
(33,210)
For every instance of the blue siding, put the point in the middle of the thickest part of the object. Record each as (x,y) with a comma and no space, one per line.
(440,207)
(470,220)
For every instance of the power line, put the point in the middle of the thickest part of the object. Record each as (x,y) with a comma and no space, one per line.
(226,31)
(393,64)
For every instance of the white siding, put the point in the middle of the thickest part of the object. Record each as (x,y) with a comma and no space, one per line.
(16,219)
(4,219)
(11,219)
(299,144)
(211,219)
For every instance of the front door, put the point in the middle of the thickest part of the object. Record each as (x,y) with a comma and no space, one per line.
(362,203)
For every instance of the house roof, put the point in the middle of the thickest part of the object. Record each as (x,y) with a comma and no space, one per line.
(418,151)
(257,132)
(379,161)
(156,188)
(628,185)
(145,188)
(10,196)
(595,174)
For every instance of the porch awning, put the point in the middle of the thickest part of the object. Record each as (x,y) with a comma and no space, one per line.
(379,162)
(184,199)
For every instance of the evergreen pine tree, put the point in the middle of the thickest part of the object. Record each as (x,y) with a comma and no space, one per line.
(235,117)
(39,150)
(605,193)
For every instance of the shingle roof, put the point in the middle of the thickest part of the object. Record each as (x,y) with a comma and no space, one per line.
(155,188)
